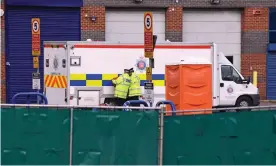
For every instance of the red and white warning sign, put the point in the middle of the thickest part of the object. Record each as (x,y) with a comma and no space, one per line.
(36,50)
(148,34)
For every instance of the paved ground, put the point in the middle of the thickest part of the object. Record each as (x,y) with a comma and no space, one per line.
(269,105)
(266,103)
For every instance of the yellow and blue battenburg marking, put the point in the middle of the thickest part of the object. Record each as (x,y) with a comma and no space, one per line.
(106,79)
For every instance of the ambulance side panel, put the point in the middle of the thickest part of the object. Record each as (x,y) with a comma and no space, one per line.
(100,63)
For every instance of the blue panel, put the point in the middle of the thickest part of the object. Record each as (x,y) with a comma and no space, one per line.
(48,3)
(142,82)
(107,83)
(271,47)
(77,83)
(271,77)
(93,76)
(57,24)
(158,76)
(272,36)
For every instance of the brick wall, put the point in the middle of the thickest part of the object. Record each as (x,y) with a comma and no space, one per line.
(254,42)
(94,30)
(3,65)
(174,23)
(185,3)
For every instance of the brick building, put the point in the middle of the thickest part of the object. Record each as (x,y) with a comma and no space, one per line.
(240,28)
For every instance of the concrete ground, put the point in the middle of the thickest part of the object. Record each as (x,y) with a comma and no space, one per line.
(268,104)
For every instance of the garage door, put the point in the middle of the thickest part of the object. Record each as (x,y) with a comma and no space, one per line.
(57,24)
(128,25)
(221,27)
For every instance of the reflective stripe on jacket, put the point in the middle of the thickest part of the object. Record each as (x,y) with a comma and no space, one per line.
(134,89)
(122,85)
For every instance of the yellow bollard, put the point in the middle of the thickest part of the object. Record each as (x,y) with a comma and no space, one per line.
(255,78)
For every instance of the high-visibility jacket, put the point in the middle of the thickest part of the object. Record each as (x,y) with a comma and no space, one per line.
(134,89)
(122,85)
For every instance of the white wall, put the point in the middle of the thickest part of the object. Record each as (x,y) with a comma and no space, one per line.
(128,25)
(219,26)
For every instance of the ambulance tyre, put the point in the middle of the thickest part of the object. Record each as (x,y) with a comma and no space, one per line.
(244,101)
(109,101)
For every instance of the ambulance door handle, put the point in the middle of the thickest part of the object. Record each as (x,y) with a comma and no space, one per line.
(221,84)
(65,94)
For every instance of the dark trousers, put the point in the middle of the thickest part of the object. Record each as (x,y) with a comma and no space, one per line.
(134,98)
(120,101)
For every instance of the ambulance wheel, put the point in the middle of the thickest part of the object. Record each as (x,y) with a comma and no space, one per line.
(110,101)
(243,101)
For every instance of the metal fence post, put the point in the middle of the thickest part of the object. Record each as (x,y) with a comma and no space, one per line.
(71,136)
(161,133)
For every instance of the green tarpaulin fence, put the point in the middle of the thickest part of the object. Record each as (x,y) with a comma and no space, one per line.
(232,138)
(42,137)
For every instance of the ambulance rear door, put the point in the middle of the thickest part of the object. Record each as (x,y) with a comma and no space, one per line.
(56,73)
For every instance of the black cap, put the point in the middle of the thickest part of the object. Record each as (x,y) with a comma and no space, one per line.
(126,70)
(131,70)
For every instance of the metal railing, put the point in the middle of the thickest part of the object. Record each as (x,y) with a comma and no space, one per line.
(77,106)
(215,110)
(43,98)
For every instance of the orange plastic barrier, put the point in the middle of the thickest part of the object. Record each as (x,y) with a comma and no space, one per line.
(189,86)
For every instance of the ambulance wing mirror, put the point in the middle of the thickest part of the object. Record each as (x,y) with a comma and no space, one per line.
(154,41)
(248,80)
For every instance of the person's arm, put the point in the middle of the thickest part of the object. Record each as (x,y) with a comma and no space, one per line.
(119,80)
(137,78)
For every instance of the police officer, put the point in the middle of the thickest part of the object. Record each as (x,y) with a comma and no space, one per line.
(122,84)
(134,89)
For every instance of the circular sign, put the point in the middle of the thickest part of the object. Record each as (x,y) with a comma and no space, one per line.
(35,26)
(148,22)
(230,90)
(141,65)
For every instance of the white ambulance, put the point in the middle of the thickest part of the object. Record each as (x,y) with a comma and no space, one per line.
(80,73)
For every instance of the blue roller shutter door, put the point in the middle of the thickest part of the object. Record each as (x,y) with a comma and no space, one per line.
(271,76)
(271,72)
(57,24)
(271,57)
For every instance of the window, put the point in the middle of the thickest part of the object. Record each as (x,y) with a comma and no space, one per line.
(272,36)
(230,58)
(272,25)
(228,73)
(272,18)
